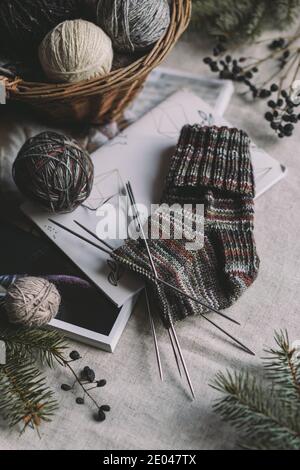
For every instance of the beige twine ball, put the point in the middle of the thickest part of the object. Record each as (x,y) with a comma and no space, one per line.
(76,50)
(32,302)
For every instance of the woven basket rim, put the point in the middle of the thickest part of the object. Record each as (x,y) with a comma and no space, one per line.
(180,17)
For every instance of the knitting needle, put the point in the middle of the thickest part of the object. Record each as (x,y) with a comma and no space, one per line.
(128,186)
(94,235)
(140,227)
(246,349)
(147,303)
(133,203)
(80,236)
(154,335)
(174,350)
(182,359)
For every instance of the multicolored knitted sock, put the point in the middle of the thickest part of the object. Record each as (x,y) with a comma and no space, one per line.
(211,166)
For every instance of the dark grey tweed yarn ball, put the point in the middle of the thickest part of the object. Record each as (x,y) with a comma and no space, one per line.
(53,170)
(134,25)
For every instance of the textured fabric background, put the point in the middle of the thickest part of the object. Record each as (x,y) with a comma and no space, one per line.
(147,414)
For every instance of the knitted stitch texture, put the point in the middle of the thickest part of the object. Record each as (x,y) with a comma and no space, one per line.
(210,166)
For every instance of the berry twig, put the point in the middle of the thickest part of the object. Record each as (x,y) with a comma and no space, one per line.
(245,70)
(87,378)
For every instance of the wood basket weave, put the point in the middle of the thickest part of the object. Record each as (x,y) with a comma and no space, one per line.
(101,99)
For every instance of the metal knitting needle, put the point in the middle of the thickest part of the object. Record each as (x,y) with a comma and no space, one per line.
(129,189)
(147,303)
(154,335)
(79,236)
(133,203)
(174,350)
(246,349)
(140,225)
(94,235)
(182,359)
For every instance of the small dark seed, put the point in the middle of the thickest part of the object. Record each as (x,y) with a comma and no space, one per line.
(74,355)
(79,401)
(271,104)
(269,116)
(207,60)
(65,387)
(274,125)
(264,93)
(105,408)
(288,128)
(100,415)
(274,87)
(242,59)
(101,383)
(284,93)
(90,375)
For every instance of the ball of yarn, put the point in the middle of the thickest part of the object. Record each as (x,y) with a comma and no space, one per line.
(31,302)
(134,25)
(53,170)
(24,23)
(76,50)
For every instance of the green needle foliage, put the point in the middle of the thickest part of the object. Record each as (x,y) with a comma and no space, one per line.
(265,412)
(25,398)
(243,19)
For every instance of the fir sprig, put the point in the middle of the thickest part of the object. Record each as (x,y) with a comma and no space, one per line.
(242,20)
(266,412)
(47,346)
(25,397)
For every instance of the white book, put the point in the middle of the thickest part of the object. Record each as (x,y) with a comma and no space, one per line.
(140,154)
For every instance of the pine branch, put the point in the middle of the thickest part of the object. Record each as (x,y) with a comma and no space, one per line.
(45,345)
(266,413)
(265,421)
(244,19)
(282,369)
(24,395)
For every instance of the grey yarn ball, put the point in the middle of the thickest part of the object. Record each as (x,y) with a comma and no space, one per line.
(134,25)
(32,302)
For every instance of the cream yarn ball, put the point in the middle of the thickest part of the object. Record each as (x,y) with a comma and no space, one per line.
(32,302)
(76,50)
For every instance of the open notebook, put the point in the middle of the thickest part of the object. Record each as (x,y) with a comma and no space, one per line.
(140,154)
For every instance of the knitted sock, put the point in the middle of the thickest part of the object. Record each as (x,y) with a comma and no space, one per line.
(210,166)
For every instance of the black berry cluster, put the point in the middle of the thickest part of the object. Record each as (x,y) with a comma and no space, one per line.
(87,382)
(282,114)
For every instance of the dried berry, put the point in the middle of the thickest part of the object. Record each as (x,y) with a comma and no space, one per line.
(269,116)
(65,387)
(105,408)
(101,383)
(74,355)
(90,375)
(100,415)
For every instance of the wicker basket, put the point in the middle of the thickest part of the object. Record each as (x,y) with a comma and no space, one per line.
(101,99)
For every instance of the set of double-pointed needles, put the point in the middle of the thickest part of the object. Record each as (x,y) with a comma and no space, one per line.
(176,348)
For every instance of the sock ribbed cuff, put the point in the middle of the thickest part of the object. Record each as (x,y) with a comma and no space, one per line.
(212,157)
